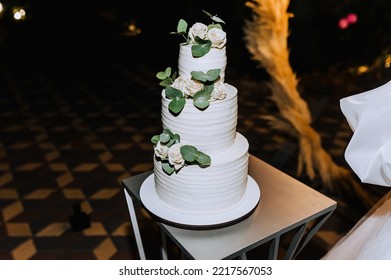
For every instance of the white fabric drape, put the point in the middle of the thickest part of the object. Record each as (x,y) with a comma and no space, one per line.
(369,150)
(369,155)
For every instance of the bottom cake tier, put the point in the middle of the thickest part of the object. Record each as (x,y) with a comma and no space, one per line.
(202,190)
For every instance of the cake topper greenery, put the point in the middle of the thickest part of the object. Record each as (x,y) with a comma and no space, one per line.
(203,37)
(173,155)
(201,87)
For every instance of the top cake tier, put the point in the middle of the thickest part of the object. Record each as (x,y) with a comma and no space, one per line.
(214,59)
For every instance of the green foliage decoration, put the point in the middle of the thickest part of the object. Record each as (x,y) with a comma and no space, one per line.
(200,47)
(190,154)
(178,98)
(166,77)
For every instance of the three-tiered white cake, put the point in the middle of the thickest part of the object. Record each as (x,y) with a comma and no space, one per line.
(220,185)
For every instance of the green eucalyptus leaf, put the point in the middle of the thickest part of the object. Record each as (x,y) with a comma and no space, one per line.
(199,76)
(215,25)
(200,41)
(201,98)
(161,75)
(166,82)
(201,103)
(167,131)
(199,50)
(189,153)
(214,18)
(202,158)
(176,105)
(176,138)
(168,72)
(213,75)
(170,143)
(209,88)
(172,93)
(217,19)
(167,168)
(208,14)
(205,92)
(165,137)
(210,76)
(155,139)
(201,47)
(182,26)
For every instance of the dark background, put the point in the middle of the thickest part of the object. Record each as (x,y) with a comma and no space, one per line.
(92,27)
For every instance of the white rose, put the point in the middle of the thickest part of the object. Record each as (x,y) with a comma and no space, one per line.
(198,29)
(161,150)
(179,84)
(218,92)
(192,87)
(175,157)
(218,37)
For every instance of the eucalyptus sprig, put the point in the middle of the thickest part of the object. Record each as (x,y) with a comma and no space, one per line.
(166,137)
(214,18)
(178,98)
(193,156)
(200,46)
(166,77)
(190,154)
(202,97)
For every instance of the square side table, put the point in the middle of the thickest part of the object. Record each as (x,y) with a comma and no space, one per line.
(285,205)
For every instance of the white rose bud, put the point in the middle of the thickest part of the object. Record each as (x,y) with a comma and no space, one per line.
(198,29)
(218,92)
(161,150)
(179,84)
(218,37)
(175,157)
(192,87)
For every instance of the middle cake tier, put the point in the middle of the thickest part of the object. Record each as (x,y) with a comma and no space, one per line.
(210,130)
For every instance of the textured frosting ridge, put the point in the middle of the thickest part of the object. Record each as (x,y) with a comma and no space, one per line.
(206,190)
(210,130)
(214,59)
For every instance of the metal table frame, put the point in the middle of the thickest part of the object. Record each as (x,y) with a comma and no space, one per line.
(285,205)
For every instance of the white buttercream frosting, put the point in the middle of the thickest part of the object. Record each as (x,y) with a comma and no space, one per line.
(211,189)
(214,59)
(210,130)
(219,187)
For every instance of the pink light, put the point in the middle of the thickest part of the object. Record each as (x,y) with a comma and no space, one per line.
(343,23)
(352,18)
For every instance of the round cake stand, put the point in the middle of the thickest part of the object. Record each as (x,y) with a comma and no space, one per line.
(157,209)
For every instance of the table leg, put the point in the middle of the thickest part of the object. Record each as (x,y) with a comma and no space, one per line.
(295,242)
(317,223)
(164,245)
(136,230)
(273,248)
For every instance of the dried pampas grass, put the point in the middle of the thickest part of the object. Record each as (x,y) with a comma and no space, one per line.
(266,39)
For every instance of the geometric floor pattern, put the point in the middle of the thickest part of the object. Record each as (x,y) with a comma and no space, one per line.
(73,126)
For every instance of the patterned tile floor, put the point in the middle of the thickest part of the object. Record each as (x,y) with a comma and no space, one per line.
(73,125)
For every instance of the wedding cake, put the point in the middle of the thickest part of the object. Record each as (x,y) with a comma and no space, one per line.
(200,160)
